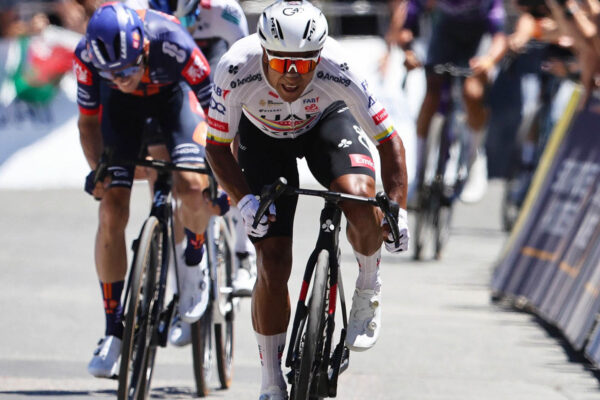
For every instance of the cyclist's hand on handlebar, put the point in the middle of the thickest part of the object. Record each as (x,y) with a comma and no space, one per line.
(404,235)
(248,207)
(97,191)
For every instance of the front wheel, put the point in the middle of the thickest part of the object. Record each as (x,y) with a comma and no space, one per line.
(201,351)
(133,378)
(311,341)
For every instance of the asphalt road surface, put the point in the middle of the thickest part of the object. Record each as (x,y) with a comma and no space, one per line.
(441,337)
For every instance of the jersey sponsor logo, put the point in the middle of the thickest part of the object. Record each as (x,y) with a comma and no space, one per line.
(171,49)
(311,100)
(222,92)
(249,78)
(196,69)
(272,94)
(372,101)
(83,73)
(220,108)
(218,125)
(344,143)
(311,108)
(83,94)
(269,102)
(361,160)
(337,79)
(380,116)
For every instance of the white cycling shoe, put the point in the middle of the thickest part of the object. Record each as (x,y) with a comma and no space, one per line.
(194,285)
(364,323)
(477,182)
(245,278)
(104,363)
(181,332)
(274,393)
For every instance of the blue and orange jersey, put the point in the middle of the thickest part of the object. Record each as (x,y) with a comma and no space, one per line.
(172,57)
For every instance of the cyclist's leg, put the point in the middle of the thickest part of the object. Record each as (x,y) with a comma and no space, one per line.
(119,134)
(270,298)
(182,121)
(336,168)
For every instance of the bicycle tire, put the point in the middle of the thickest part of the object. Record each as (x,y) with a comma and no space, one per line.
(201,351)
(306,380)
(425,225)
(138,333)
(224,332)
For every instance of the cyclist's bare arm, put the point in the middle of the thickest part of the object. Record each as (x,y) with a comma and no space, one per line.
(393,169)
(228,172)
(485,63)
(90,137)
(525,30)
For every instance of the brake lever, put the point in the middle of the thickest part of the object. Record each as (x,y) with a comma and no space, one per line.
(268,196)
(390,210)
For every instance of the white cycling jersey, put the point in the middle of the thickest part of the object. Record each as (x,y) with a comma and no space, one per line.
(241,87)
(222,19)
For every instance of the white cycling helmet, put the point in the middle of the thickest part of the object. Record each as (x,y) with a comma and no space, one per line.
(292,26)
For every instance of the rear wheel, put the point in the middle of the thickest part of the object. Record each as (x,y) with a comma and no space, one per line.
(224,328)
(312,334)
(134,382)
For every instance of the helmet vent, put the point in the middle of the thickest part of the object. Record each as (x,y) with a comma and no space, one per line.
(116,47)
(322,36)
(307,29)
(262,35)
(101,47)
(279,31)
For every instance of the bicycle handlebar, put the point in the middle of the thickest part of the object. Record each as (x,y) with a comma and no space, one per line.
(452,70)
(280,187)
(159,165)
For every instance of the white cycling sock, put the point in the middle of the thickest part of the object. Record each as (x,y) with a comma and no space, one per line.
(368,271)
(270,350)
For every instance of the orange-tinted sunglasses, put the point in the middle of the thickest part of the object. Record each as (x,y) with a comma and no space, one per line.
(300,65)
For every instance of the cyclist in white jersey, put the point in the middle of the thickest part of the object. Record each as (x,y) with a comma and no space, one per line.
(289,92)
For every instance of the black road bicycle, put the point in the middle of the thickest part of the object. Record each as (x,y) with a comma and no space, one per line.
(314,359)
(147,319)
(445,168)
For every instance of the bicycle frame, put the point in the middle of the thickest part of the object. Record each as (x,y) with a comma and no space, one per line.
(330,223)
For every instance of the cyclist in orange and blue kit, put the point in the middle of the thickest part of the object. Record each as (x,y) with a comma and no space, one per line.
(130,66)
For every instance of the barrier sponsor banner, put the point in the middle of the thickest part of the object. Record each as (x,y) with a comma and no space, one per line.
(553,255)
